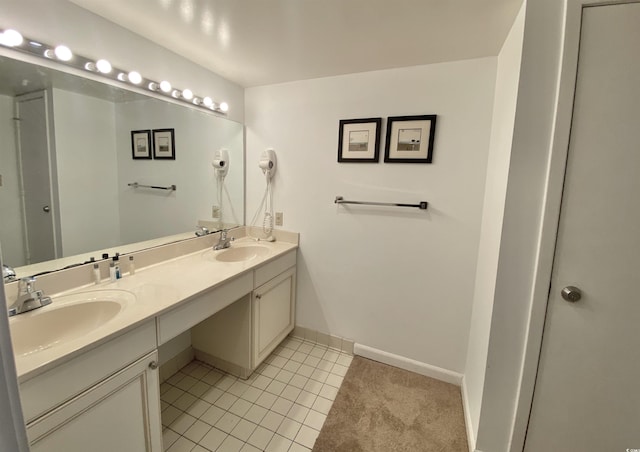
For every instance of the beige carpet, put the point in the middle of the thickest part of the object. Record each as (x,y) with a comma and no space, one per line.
(380,408)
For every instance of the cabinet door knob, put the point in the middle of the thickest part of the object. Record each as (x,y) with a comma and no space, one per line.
(258,296)
(153,365)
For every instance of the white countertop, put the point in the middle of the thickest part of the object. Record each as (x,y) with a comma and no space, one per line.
(158,289)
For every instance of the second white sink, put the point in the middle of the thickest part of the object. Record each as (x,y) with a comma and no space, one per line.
(242,253)
(237,253)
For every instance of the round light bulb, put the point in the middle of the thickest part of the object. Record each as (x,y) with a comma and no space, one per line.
(207,101)
(153,86)
(135,77)
(103,66)
(187,94)
(49,53)
(175,93)
(224,106)
(122,77)
(197,101)
(90,66)
(165,86)
(11,38)
(63,53)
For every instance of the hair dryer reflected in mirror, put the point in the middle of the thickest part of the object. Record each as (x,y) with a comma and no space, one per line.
(221,162)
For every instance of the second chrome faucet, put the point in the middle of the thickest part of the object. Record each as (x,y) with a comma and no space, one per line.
(225,240)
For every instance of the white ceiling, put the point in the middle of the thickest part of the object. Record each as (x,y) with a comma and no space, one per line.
(259,42)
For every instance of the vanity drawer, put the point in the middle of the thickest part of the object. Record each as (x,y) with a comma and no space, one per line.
(274,268)
(54,387)
(202,307)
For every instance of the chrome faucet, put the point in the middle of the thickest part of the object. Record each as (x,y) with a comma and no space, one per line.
(225,240)
(201,230)
(8,273)
(28,298)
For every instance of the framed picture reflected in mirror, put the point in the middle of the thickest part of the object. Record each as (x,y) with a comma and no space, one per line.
(141,144)
(164,144)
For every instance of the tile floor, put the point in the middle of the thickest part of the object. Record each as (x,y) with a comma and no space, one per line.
(280,408)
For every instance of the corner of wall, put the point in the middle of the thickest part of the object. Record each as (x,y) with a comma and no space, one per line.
(523,211)
(502,128)
(471,438)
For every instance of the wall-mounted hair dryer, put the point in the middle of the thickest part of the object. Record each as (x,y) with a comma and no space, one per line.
(221,162)
(268,163)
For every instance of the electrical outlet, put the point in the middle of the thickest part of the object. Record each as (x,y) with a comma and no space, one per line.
(215,212)
(279,218)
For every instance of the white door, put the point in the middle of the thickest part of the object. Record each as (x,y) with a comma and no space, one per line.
(31,110)
(587,394)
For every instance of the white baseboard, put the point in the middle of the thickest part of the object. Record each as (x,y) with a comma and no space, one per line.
(335,342)
(411,365)
(471,440)
(174,364)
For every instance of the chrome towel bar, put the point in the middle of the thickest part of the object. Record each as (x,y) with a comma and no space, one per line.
(422,205)
(137,185)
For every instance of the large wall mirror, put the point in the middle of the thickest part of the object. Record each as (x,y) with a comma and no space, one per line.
(67,165)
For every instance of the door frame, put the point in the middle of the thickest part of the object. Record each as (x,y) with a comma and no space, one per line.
(551,212)
(46,95)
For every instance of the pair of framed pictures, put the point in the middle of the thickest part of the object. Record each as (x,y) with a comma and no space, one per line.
(409,139)
(163,144)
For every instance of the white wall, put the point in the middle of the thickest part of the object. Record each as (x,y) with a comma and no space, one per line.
(504,108)
(85,139)
(90,35)
(13,435)
(520,240)
(11,235)
(393,279)
(143,212)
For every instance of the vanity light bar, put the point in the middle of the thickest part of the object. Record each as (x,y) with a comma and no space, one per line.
(63,55)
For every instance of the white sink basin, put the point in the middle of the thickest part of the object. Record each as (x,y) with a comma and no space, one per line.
(238,253)
(67,318)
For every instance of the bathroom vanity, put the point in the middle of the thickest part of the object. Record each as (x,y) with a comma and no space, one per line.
(99,389)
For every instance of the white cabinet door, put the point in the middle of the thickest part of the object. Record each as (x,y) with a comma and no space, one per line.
(273,313)
(122,413)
